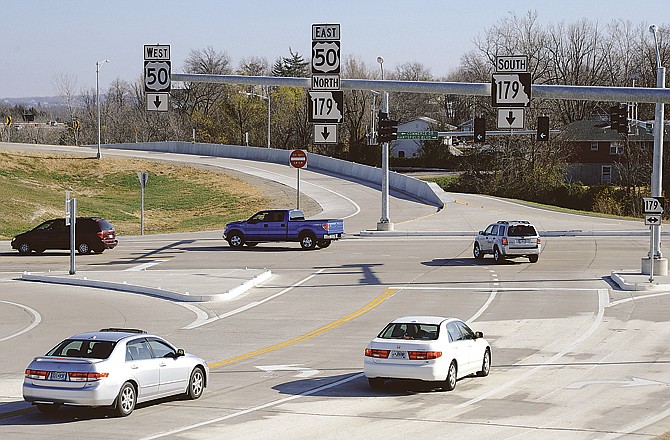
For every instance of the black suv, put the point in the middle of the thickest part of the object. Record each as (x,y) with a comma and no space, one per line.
(91,234)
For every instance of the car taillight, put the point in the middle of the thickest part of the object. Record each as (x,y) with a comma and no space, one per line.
(372,352)
(36,374)
(423,355)
(326,226)
(538,240)
(504,241)
(101,234)
(86,377)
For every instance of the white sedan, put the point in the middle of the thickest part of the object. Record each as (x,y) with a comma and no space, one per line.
(428,348)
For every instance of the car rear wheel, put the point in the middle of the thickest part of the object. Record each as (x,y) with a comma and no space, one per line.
(477,252)
(376,382)
(47,408)
(84,248)
(486,364)
(24,248)
(450,383)
(323,243)
(125,401)
(196,384)
(497,256)
(533,258)
(236,240)
(308,241)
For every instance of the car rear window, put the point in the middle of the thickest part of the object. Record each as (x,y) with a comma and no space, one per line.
(105,225)
(83,349)
(426,332)
(521,231)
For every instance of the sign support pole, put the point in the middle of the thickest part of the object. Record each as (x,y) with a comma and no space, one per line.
(384,222)
(297,203)
(73,220)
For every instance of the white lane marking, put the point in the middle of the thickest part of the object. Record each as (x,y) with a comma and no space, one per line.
(201,315)
(37,318)
(486,305)
(255,408)
(627,430)
(510,289)
(603,300)
(635,298)
(302,371)
(200,322)
(144,266)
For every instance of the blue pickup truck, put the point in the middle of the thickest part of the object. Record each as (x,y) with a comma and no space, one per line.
(283,225)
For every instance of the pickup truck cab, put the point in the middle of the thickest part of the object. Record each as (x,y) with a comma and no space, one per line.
(283,225)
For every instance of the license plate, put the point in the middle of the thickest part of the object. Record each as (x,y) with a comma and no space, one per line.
(522,241)
(398,354)
(58,375)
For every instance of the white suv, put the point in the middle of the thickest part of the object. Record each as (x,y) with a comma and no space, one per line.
(508,239)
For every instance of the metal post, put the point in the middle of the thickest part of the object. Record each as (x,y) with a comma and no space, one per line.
(384,222)
(651,259)
(297,203)
(97,100)
(268,92)
(657,172)
(142,212)
(73,220)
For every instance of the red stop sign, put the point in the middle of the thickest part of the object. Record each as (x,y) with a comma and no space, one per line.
(298,158)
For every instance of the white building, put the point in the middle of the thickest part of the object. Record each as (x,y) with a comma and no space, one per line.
(412,147)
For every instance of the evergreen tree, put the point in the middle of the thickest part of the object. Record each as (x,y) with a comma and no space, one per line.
(294,66)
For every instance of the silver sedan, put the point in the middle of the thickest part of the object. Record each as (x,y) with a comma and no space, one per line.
(112,367)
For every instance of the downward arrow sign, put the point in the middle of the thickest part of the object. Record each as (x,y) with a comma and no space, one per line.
(325,133)
(510,118)
(157,101)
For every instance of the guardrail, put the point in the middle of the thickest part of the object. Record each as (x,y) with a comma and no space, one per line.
(426,192)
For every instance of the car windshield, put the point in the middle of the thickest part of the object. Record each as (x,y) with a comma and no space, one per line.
(521,231)
(395,330)
(83,349)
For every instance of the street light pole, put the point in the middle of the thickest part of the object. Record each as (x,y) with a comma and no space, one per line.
(97,99)
(657,165)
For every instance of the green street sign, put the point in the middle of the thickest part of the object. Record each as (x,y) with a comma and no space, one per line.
(418,135)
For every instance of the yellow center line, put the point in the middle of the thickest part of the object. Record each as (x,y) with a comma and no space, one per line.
(319,331)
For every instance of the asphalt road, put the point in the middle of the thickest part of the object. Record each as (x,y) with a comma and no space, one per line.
(573,357)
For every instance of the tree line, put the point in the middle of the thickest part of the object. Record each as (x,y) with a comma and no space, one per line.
(582,52)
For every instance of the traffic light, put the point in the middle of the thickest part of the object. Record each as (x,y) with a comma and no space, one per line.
(480,130)
(619,119)
(388,130)
(543,128)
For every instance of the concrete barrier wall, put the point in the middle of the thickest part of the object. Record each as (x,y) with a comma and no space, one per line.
(427,192)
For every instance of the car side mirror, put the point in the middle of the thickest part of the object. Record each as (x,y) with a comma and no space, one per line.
(180,352)
(479,335)
(481,232)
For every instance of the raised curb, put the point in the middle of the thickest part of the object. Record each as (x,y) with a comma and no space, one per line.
(224,295)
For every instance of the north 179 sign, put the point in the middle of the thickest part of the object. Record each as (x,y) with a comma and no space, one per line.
(325,106)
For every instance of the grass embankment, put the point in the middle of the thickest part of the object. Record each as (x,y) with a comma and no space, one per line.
(176,198)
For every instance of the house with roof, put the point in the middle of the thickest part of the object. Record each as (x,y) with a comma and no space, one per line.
(413,147)
(597,150)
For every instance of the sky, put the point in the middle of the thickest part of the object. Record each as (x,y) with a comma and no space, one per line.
(44,41)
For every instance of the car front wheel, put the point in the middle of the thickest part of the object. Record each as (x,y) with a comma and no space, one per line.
(236,240)
(196,384)
(486,364)
(125,401)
